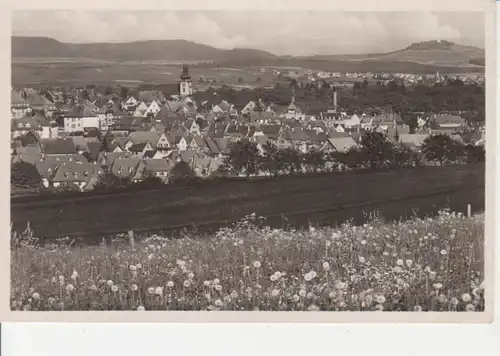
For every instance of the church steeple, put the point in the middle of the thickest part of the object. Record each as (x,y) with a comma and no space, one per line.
(185,87)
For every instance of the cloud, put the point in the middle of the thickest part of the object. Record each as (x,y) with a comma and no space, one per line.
(292,32)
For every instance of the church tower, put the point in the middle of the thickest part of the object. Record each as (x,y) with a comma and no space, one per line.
(185,87)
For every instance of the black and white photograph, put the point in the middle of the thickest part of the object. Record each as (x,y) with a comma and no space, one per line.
(268,161)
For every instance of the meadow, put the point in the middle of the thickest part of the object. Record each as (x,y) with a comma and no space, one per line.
(422,264)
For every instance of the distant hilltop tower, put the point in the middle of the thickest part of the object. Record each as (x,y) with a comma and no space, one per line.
(185,87)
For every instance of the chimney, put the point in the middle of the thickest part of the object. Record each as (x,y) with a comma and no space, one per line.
(335,100)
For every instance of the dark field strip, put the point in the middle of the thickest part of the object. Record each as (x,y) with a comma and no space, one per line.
(323,199)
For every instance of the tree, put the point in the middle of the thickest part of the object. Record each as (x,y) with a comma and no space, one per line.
(124,92)
(290,159)
(240,80)
(313,161)
(403,157)
(269,161)
(25,175)
(441,148)
(376,149)
(110,181)
(182,173)
(243,158)
(474,154)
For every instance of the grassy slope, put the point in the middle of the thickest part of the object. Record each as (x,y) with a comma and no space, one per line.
(321,199)
(431,265)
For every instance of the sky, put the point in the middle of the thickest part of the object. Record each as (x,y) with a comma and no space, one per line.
(279,32)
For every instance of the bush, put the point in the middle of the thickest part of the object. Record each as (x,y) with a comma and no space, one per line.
(25,175)
(182,173)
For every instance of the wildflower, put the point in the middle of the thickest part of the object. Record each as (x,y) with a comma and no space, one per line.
(216,281)
(361,259)
(377,275)
(400,262)
(454,301)
(70,288)
(432,275)
(151,290)
(313,274)
(481,286)
(466,297)
(208,296)
(218,287)
(141,308)
(363,242)
(170,284)
(398,269)
(159,291)
(385,253)
(218,303)
(417,308)
(307,277)
(454,231)
(109,282)
(278,274)
(74,275)
(437,286)
(442,298)
(341,285)
(475,292)
(328,243)
(302,293)
(443,252)
(326,266)
(295,298)
(409,263)
(53,280)
(234,294)
(380,299)
(379,307)
(470,307)
(334,235)
(114,288)
(138,266)
(133,268)
(191,275)
(187,283)
(274,278)
(36,296)
(275,293)
(206,283)
(134,287)
(368,299)
(313,307)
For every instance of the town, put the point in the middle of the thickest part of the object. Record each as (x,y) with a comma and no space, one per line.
(74,139)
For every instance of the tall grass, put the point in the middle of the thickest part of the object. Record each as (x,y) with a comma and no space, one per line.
(433,264)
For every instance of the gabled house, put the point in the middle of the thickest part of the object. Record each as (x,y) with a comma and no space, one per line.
(130,104)
(21,126)
(449,121)
(126,168)
(58,147)
(153,108)
(159,168)
(413,141)
(338,144)
(19,107)
(140,149)
(75,173)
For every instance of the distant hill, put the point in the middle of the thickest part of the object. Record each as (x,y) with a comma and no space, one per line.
(157,50)
(437,53)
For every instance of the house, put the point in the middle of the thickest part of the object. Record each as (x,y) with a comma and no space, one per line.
(46,169)
(250,107)
(28,154)
(40,103)
(413,141)
(153,108)
(449,121)
(36,124)
(79,118)
(58,146)
(18,106)
(141,110)
(138,137)
(126,168)
(338,144)
(270,131)
(130,104)
(106,159)
(75,173)
(159,168)
(140,149)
